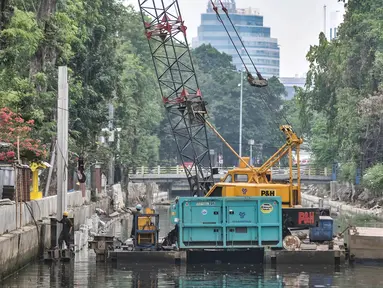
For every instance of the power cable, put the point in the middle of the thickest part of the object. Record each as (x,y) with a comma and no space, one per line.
(34,220)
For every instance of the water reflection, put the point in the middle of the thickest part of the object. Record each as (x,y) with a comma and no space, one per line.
(85,272)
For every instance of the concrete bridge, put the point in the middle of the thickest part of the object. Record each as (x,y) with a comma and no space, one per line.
(173,179)
(165,178)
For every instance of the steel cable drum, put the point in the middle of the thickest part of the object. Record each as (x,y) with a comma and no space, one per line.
(291,243)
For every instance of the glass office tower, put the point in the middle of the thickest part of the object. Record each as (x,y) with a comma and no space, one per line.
(263,49)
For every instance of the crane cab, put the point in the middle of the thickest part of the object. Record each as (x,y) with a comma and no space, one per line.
(289,194)
(243,174)
(240,182)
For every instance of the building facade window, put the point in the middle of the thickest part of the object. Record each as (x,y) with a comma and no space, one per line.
(263,50)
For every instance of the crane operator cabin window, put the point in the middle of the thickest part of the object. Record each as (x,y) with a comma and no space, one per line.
(241,178)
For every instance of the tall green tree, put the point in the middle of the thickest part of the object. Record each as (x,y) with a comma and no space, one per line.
(103,44)
(343,75)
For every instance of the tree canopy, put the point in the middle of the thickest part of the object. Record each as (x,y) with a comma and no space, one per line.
(341,105)
(103,44)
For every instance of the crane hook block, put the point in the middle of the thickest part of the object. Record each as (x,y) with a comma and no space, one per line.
(261,82)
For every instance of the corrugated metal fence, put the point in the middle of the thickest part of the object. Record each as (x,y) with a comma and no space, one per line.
(7,182)
(7,177)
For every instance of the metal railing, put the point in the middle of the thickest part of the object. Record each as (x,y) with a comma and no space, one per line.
(158,170)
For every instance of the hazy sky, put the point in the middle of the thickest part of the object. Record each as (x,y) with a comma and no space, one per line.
(296,24)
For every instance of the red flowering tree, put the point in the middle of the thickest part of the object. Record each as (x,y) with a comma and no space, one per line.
(12,125)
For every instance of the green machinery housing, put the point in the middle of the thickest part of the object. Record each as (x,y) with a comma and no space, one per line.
(228,222)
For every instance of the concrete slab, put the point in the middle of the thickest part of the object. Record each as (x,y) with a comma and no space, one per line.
(316,257)
(365,243)
(308,247)
(367,231)
(19,248)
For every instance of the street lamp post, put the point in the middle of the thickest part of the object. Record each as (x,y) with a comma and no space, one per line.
(251,143)
(240,116)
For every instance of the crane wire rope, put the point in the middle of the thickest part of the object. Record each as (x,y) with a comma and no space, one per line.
(235,30)
(215,8)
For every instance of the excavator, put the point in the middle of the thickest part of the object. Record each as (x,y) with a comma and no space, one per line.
(186,110)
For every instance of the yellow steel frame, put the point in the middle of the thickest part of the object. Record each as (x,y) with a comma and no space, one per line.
(260,174)
(35,193)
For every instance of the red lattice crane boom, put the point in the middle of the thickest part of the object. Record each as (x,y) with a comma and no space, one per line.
(179,88)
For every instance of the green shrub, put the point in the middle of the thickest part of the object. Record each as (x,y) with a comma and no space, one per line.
(373,179)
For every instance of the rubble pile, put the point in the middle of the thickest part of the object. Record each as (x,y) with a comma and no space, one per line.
(141,193)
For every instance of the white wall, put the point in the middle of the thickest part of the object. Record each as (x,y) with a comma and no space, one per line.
(41,208)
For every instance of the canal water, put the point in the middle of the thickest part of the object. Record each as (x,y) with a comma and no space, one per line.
(85,272)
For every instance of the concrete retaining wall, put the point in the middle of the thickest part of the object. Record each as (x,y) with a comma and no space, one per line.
(19,247)
(336,206)
(41,208)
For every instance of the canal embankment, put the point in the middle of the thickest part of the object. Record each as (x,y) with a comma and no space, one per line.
(24,236)
(360,227)
(20,246)
(339,207)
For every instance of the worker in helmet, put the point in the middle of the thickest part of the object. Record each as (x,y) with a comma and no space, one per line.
(135,214)
(66,230)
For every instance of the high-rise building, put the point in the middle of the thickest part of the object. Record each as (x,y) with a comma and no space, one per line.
(335,20)
(263,50)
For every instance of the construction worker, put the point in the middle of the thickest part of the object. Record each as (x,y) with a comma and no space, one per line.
(66,230)
(135,215)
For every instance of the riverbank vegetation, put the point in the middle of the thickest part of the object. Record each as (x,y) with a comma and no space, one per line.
(341,107)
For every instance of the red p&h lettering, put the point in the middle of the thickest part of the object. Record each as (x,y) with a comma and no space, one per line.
(306,218)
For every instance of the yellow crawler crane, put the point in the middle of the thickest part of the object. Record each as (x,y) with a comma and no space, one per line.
(247,180)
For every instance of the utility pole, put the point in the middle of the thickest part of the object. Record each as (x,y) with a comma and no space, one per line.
(62,144)
(111,132)
(240,116)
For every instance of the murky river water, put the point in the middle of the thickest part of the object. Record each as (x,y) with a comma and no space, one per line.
(85,272)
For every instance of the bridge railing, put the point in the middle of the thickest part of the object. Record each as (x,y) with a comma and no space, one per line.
(305,170)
